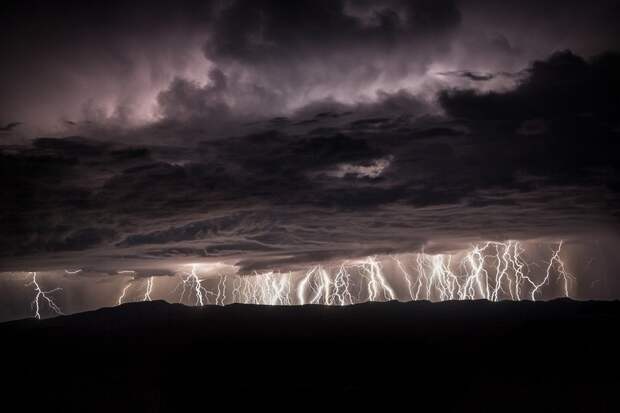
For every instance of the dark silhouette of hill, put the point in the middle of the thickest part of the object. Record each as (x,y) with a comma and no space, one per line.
(560,355)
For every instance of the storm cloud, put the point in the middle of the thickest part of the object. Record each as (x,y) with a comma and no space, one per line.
(330,184)
(276,134)
(79,65)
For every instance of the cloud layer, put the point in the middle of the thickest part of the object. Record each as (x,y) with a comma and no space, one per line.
(71,63)
(536,161)
(277,133)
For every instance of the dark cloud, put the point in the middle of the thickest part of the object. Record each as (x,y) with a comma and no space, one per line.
(475,76)
(255,32)
(479,76)
(126,64)
(78,61)
(373,181)
(9,126)
(566,111)
(184,99)
(565,85)
(278,133)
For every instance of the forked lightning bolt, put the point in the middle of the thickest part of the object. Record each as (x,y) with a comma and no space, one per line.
(43,296)
(377,284)
(191,285)
(148,288)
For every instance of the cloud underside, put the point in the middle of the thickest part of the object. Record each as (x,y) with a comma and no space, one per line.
(332,181)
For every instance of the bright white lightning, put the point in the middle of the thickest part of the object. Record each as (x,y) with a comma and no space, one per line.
(191,284)
(123,294)
(341,294)
(318,286)
(490,270)
(220,295)
(557,263)
(148,290)
(270,288)
(317,281)
(377,284)
(43,295)
(410,286)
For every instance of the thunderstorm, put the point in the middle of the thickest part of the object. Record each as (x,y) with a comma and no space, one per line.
(492,271)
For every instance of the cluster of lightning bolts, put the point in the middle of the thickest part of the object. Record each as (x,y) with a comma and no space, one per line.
(147,288)
(492,270)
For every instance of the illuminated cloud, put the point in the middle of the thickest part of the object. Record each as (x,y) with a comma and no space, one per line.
(373,169)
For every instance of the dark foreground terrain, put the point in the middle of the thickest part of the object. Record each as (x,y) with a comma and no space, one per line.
(455,356)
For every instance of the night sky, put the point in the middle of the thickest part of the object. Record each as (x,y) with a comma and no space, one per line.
(252,137)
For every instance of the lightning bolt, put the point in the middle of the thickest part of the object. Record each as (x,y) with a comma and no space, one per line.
(191,284)
(317,281)
(342,287)
(123,293)
(557,263)
(377,284)
(220,297)
(148,289)
(43,295)
(270,288)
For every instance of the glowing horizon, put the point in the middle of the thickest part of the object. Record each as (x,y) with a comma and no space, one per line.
(492,270)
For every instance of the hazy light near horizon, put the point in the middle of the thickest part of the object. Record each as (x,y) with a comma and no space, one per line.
(489,270)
